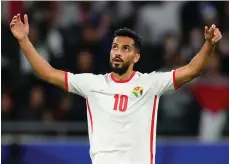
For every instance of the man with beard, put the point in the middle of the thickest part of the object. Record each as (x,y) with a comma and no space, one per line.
(122,105)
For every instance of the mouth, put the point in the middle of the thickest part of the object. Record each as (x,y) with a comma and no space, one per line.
(117,60)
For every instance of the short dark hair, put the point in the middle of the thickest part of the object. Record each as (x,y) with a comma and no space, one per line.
(132,34)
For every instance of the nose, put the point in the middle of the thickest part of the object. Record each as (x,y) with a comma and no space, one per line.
(118,53)
(118,56)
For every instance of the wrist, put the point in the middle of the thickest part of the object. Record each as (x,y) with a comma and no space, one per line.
(211,43)
(25,39)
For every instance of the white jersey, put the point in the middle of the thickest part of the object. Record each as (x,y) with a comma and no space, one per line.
(122,115)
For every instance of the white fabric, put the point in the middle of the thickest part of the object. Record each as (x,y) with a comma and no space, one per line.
(121,136)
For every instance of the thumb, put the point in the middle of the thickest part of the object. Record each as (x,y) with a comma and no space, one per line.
(26,20)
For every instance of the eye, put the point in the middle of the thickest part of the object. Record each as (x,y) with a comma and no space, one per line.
(114,47)
(126,49)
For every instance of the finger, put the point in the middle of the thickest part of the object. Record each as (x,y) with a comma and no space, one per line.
(14,21)
(206,29)
(216,31)
(217,37)
(26,19)
(19,17)
(12,25)
(14,18)
(220,37)
(212,29)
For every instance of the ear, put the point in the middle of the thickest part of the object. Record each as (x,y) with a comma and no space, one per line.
(136,57)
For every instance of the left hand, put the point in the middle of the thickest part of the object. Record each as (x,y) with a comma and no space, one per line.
(212,34)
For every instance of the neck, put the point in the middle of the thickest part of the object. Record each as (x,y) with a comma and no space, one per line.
(124,77)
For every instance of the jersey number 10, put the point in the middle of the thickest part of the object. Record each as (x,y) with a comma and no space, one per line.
(121,102)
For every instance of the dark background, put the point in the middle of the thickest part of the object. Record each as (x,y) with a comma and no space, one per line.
(77,36)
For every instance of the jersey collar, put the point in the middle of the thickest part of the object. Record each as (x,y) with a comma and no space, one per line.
(122,81)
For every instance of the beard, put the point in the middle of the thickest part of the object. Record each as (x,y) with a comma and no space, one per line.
(120,70)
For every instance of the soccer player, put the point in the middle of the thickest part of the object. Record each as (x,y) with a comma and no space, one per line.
(121,105)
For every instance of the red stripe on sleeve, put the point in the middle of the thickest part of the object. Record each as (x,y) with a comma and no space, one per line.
(90,115)
(66,81)
(152,129)
(174,80)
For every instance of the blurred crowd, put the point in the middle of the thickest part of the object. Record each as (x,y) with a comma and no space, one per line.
(77,36)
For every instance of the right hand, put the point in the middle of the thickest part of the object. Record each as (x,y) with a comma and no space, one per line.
(19,29)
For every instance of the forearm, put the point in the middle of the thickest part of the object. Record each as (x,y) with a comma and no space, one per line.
(39,64)
(196,65)
(199,62)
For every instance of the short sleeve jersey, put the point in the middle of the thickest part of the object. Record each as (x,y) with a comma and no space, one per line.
(122,115)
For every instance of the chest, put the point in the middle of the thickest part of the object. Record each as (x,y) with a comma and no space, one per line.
(120,98)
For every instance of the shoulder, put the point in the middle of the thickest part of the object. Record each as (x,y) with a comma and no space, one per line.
(97,78)
(159,76)
(140,74)
(85,78)
(92,75)
(156,73)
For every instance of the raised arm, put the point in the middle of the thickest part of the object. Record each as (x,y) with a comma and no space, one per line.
(199,62)
(44,70)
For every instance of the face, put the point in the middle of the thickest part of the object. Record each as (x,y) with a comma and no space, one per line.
(123,54)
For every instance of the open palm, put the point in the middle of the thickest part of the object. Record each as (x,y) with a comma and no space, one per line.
(19,29)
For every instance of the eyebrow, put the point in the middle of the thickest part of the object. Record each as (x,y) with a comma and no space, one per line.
(126,45)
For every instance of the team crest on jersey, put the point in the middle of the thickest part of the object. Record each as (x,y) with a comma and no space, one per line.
(137,91)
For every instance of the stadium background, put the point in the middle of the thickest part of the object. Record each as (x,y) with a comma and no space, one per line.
(43,124)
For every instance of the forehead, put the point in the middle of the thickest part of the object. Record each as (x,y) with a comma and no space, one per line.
(123,40)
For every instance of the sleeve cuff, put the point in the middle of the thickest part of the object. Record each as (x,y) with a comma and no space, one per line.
(66,81)
(174,80)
